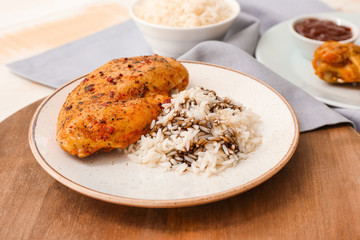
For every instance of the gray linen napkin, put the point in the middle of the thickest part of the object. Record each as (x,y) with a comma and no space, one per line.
(311,113)
(58,66)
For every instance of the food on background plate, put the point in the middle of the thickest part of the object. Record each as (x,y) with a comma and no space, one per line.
(183,13)
(336,62)
(128,103)
(322,30)
(116,103)
(199,132)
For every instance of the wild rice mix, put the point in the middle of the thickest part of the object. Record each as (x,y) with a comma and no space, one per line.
(198,132)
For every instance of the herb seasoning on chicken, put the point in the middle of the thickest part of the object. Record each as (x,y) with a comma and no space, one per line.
(115,104)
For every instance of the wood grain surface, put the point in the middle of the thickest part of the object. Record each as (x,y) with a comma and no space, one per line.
(315,196)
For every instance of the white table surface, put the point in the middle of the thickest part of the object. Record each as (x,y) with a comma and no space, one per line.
(23,27)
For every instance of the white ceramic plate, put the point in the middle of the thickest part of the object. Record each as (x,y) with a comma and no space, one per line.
(277,51)
(112,177)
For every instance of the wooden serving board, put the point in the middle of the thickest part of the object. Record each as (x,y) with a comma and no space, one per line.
(315,196)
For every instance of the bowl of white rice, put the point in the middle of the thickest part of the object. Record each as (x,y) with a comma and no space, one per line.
(172,27)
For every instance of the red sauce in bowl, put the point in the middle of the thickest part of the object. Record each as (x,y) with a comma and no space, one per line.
(323,30)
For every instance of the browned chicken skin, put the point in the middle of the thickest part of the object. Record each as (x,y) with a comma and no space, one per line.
(115,104)
(337,62)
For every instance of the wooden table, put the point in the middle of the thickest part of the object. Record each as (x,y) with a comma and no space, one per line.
(315,196)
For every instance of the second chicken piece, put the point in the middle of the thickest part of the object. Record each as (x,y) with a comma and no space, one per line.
(336,62)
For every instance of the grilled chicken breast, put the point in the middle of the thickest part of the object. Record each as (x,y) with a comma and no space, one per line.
(115,104)
(336,62)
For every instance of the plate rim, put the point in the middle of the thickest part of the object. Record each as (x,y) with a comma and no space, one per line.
(168,203)
(327,101)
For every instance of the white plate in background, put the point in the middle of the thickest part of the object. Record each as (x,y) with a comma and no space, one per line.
(277,51)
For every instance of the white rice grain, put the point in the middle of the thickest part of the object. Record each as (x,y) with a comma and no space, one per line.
(183,13)
(213,134)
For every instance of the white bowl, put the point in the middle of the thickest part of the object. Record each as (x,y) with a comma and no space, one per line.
(308,46)
(175,41)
